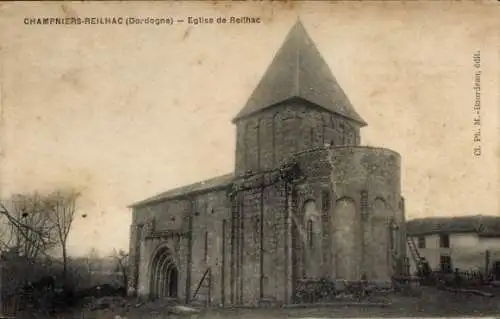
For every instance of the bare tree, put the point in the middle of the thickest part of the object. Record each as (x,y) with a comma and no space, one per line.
(121,258)
(27,233)
(62,209)
(7,239)
(26,225)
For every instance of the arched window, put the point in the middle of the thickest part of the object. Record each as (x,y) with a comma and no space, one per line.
(252,146)
(394,237)
(256,224)
(311,211)
(206,247)
(310,233)
(348,134)
(342,135)
(324,132)
(364,203)
(311,220)
(244,141)
(325,197)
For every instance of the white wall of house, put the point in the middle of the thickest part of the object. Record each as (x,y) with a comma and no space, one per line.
(466,250)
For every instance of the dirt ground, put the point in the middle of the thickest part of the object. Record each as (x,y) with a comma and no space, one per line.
(431,303)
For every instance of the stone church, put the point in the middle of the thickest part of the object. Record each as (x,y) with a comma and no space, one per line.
(305,200)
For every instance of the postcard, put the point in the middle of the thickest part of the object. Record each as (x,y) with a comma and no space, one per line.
(250,159)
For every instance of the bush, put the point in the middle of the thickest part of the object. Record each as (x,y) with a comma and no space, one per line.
(314,290)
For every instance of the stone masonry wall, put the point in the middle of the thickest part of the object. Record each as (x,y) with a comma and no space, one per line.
(163,216)
(211,210)
(134,262)
(274,254)
(266,139)
(355,225)
(313,260)
(250,268)
(375,174)
(259,248)
(351,234)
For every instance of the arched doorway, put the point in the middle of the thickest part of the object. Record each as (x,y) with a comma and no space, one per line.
(164,274)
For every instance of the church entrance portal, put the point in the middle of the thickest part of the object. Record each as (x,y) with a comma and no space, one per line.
(164,275)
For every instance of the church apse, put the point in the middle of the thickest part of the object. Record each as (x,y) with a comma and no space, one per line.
(368,181)
(364,203)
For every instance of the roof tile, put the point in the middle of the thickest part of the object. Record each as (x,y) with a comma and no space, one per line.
(480,224)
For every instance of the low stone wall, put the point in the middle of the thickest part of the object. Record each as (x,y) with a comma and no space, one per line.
(327,290)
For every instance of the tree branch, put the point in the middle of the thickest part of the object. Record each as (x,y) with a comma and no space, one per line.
(16,223)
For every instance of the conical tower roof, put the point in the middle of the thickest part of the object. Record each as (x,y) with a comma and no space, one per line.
(299,71)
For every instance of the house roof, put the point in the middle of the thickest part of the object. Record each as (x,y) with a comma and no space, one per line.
(299,71)
(484,226)
(203,186)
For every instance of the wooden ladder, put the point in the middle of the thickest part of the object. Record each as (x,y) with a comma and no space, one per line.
(417,258)
(206,283)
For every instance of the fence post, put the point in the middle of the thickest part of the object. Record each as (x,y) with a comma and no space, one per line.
(487,262)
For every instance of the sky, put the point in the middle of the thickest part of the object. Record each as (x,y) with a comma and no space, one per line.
(125,112)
